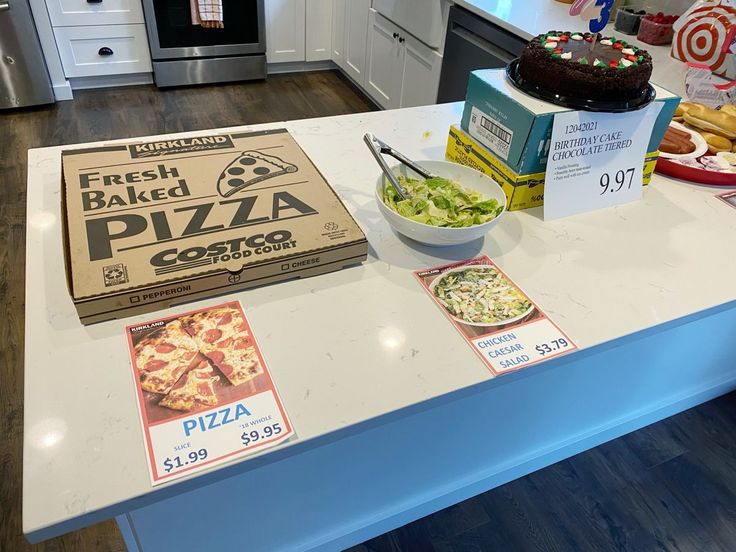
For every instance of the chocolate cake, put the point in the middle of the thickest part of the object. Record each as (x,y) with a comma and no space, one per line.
(586,65)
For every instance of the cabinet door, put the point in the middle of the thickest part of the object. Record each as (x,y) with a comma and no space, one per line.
(356,34)
(319,30)
(421,74)
(68,13)
(339,12)
(385,62)
(285,29)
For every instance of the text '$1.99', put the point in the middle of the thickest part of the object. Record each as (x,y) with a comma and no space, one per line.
(178,462)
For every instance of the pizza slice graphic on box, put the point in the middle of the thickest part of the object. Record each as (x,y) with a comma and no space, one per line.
(250,168)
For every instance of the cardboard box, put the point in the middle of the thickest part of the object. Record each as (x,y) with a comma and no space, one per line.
(522,190)
(517,128)
(151,224)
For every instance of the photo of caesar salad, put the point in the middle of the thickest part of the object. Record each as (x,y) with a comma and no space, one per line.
(480,295)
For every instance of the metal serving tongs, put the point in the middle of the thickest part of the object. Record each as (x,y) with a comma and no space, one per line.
(379,148)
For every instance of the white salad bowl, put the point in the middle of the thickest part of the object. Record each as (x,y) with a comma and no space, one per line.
(434,235)
(506,322)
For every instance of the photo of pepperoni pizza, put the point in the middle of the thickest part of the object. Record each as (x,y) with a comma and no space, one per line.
(196,361)
(223,337)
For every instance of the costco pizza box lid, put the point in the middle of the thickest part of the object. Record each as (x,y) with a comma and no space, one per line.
(151,224)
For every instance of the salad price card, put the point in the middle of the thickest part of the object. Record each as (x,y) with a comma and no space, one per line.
(204,393)
(499,321)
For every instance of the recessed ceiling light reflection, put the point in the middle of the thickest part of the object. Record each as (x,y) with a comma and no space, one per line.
(48,433)
(391,338)
(42,220)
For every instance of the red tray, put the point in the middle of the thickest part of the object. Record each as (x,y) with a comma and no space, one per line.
(691,174)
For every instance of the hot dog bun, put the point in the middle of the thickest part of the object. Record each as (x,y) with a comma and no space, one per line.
(683,108)
(729,109)
(710,120)
(716,143)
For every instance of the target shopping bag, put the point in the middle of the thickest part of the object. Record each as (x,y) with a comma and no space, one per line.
(706,34)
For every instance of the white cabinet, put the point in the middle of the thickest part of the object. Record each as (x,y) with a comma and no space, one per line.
(421,75)
(385,62)
(100,38)
(103,50)
(72,13)
(338,32)
(356,34)
(285,30)
(319,30)
(349,36)
(401,70)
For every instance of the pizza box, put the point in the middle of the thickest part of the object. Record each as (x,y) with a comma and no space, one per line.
(148,225)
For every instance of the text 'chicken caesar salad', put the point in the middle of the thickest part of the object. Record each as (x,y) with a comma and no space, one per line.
(481,295)
(441,202)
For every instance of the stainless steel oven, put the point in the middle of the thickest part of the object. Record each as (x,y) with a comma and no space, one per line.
(187,52)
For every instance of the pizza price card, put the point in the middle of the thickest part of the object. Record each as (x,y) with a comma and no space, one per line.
(501,323)
(204,393)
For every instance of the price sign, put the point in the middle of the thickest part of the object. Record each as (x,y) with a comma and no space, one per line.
(204,392)
(499,321)
(596,160)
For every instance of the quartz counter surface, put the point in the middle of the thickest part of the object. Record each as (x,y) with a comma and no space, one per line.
(355,347)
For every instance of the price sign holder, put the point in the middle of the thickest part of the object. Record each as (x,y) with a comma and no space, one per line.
(504,327)
(205,395)
(596,160)
(729,198)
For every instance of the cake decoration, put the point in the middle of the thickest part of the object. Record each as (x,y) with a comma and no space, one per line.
(596,12)
(559,62)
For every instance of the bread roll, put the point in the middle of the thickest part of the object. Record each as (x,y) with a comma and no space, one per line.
(716,143)
(710,120)
(684,107)
(729,109)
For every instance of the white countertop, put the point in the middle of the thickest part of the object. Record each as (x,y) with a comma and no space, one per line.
(350,346)
(532,17)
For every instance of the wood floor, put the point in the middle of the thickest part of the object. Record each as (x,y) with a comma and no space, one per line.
(668,487)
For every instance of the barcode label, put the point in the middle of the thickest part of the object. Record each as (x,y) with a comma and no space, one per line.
(491,133)
(496,130)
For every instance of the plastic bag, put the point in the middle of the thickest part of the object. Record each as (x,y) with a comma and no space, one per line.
(705,34)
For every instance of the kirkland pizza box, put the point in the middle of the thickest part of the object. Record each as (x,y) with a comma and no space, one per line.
(523,191)
(152,224)
(517,128)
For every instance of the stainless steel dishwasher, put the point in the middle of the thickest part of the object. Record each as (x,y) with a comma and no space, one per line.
(473,43)
(24,79)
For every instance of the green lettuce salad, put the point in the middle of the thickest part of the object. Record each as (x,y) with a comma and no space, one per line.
(441,202)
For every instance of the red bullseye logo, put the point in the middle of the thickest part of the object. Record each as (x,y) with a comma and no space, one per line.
(704,36)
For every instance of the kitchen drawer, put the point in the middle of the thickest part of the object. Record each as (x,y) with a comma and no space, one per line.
(83,49)
(77,13)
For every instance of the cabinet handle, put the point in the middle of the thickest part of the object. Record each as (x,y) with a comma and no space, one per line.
(4,6)
(105,51)
(396,35)
(94,1)
(401,40)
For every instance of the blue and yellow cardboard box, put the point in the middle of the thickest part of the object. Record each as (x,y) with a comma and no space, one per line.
(516,128)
